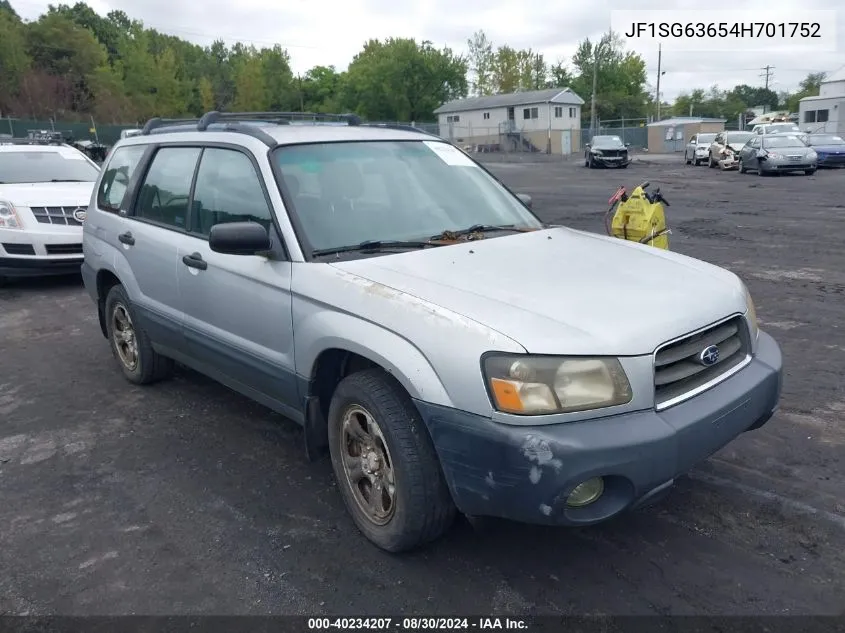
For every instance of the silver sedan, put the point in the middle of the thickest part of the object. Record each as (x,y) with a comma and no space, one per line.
(777,153)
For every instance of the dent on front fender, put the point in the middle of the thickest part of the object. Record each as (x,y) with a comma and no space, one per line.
(434,352)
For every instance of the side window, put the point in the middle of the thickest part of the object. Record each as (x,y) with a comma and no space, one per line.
(116,178)
(164,195)
(228,189)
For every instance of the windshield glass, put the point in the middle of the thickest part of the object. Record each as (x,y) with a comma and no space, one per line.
(346,193)
(826,139)
(782,141)
(738,138)
(607,141)
(61,164)
(782,127)
(706,138)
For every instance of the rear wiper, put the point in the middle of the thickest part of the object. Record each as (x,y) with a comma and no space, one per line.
(370,245)
(475,228)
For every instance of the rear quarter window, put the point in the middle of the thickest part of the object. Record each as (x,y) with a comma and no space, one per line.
(116,176)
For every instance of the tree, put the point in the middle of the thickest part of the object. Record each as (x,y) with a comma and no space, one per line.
(14,62)
(480,63)
(401,80)
(809,87)
(507,73)
(251,92)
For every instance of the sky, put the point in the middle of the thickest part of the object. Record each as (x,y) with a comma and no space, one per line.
(331,32)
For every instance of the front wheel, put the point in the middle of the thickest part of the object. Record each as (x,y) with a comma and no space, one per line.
(624,165)
(131,346)
(385,465)
(809,172)
(742,168)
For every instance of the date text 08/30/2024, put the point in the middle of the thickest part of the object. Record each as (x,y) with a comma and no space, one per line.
(418,624)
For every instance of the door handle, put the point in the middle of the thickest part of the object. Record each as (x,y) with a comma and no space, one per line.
(195,260)
(126,238)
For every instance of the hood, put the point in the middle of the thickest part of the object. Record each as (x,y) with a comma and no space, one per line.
(736,147)
(560,291)
(48,194)
(829,149)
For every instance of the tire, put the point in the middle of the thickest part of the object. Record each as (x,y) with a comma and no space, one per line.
(760,172)
(421,509)
(149,366)
(687,160)
(809,172)
(625,166)
(586,162)
(712,164)
(741,167)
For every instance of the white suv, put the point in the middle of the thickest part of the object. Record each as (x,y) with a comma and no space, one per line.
(45,189)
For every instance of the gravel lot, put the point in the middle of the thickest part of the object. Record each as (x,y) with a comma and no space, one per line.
(186,498)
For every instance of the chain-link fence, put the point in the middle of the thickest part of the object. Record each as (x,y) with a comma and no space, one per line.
(77,130)
(633,131)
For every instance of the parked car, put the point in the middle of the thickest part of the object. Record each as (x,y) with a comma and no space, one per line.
(606,151)
(697,148)
(45,188)
(725,143)
(829,148)
(362,281)
(775,128)
(777,153)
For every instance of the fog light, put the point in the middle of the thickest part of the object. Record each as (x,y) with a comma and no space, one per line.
(585,493)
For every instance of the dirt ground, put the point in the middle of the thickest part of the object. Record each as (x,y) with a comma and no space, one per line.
(184,498)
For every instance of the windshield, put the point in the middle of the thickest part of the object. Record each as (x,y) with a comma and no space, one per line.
(738,138)
(349,192)
(59,165)
(782,141)
(609,142)
(706,138)
(782,127)
(826,139)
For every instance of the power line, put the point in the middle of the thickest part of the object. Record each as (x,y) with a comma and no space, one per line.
(768,74)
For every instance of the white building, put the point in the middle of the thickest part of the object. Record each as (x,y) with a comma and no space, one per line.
(538,120)
(824,113)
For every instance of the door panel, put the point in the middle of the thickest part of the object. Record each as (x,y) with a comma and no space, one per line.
(237,319)
(237,308)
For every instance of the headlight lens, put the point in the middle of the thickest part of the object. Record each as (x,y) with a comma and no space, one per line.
(751,315)
(542,385)
(9,218)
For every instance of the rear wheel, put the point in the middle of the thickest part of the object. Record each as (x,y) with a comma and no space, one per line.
(386,467)
(129,342)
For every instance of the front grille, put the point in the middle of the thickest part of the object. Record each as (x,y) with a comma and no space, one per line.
(62,216)
(613,153)
(64,249)
(678,369)
(19,249)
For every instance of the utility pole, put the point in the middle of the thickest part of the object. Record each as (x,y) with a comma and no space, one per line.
(768,74)
(659,73)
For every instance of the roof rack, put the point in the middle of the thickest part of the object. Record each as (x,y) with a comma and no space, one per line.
(245,123)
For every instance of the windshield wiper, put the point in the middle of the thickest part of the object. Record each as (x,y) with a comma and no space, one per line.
(370,245)
(475,228)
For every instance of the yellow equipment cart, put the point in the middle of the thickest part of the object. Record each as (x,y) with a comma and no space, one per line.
(638,217)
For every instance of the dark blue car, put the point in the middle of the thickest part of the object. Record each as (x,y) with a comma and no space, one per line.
(829,147)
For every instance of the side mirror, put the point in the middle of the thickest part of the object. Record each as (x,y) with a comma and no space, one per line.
(525,198)
(627,145)
(239,238)
(761,154)
(588,145)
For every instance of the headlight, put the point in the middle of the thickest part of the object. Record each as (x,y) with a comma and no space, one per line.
(597,152)
(812,155)
(751,315)
(9,218)
(538,385)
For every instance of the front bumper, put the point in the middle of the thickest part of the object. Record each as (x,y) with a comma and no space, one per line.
(612,161)
(526,473)
(35,253)
(781,167)
(831,160)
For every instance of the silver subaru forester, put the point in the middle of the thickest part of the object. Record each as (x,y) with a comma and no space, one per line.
(449,350)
